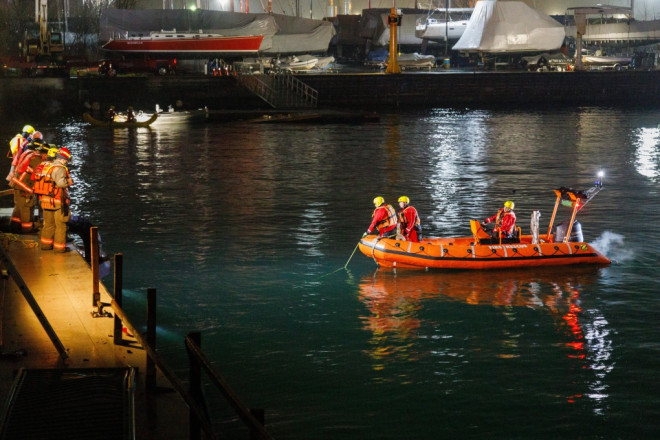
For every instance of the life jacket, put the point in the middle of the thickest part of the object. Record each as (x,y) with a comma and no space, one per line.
(390,220)
(500,216)
(404,221)
(22,171)
(50,195)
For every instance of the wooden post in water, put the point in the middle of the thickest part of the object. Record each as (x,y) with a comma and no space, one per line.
(94,263)
(150,379)
(118,287)
(195,388)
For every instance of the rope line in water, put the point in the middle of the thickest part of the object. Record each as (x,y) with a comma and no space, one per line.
(345,267)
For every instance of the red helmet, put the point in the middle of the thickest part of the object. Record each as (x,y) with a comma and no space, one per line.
(63,153)
(37,135)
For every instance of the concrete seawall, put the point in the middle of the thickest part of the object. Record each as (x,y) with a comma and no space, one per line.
(54,96)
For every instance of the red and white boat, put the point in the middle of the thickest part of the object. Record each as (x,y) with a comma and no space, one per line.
(179,42)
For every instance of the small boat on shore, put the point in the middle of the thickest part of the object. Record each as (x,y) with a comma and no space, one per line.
(174,42)
(480,251)
(119,123)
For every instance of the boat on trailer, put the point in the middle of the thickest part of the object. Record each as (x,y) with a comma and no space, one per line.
(174,42)
(480,251)
(443,24)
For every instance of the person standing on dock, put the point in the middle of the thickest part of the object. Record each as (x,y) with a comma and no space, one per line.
(16,146)
(384,218)
(24,199)
(409,220)
(52,187)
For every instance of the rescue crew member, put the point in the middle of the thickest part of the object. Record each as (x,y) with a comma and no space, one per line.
(409,220)
(384,218)
(505,221)
(16,146)
(24,199)
(130,116)
(110,114)
(52,187)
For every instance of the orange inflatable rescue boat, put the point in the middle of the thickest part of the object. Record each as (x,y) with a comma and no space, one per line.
(480,251)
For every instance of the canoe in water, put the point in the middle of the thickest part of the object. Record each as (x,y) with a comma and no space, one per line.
(119,124)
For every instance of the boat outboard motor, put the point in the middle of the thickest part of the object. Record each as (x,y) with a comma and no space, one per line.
(576,232)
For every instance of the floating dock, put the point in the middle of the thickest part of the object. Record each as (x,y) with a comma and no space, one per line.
(72,366)
(48,329)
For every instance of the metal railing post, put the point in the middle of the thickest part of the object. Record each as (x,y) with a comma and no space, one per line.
(94,263)
(118,288)
(195,388)
(150,380)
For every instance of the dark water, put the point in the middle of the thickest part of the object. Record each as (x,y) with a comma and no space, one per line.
(238,227)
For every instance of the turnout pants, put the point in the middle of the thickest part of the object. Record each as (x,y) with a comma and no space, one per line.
(53,233)
(21,216)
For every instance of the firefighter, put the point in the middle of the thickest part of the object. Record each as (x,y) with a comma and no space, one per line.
(52,186)
(384,219)
(504,220)
(409,220)
(16,146)
(22,219)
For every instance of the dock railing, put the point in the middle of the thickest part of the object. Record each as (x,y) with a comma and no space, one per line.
(193,396)
(280,90)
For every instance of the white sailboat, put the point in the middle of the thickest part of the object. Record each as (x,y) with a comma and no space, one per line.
(443,24)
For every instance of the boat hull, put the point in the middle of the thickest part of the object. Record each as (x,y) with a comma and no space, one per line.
(217,45)
(119,124)
(436,31)
(463,253)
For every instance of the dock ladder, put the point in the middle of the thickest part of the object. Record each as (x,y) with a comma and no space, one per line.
(280,90)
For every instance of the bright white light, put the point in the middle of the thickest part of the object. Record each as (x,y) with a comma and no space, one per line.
(601,173)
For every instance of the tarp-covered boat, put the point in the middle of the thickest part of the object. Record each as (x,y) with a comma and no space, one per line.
(480,251)
(119,123)
(510,26)
(282,34)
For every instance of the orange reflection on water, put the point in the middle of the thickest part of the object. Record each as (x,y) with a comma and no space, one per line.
(394,301)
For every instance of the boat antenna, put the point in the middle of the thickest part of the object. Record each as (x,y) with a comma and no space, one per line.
(591,192)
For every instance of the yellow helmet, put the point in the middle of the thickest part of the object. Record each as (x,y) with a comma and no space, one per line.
(379,201)
(404,199)
(52,152)
(509,204)
(28,129)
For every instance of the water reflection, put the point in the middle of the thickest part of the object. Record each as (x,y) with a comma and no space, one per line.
(395,305)
(456,165)
(647,152)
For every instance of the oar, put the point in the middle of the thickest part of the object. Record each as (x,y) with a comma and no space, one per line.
(6,192)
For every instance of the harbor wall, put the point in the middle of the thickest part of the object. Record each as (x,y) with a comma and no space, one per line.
(488,89)
(49,97)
